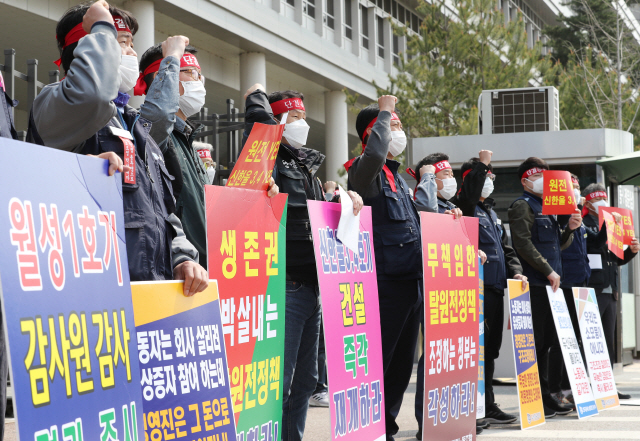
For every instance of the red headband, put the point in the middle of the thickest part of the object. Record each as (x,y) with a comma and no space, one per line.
(393,117)
(204,153)
(187,60)
(282,106)
(532,171)
(575,181)
(442,165)
(596,194)
(120,24)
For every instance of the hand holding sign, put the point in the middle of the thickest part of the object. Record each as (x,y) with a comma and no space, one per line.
(614,235)
(557,196)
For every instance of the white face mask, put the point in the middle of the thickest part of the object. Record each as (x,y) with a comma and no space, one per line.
(398,142)
(449,187)
(128,73)
(193,98)
(487,188)
(296,133)
(538,185)
(211,172)
(577,195)
(596,205)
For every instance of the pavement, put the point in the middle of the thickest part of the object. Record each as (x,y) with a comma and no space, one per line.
(622,423)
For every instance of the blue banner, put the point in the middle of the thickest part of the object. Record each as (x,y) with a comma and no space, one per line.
(66,297)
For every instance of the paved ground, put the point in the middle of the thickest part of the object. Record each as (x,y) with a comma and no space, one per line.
(622,423)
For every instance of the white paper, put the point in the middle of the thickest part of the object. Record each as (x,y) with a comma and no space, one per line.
(349,225)
(595,261)
(120,133)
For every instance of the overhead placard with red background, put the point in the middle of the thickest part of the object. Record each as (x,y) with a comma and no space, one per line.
(628,231)
(451,328)
(255,164)
(557,196)
(614,235)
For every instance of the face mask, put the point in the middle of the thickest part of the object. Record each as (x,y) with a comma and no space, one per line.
(296,133)
(538,185)
(398,143)
(128,73)
(193,99)
(487,188)
(449,187)
(211,172)
(577,195)
(596,205)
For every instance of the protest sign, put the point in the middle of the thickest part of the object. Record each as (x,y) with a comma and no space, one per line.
(524,351)
(596,353)
(480,410)
(351,319)
(450,266)
(258,157)
(628,231)
(614,235)
(247,257)
(557,196)
(185,384)
(66,298)
(582,396)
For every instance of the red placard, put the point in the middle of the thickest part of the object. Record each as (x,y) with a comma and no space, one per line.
(255,164)
(557,196)
(614,235)
(628,232)
(451,325)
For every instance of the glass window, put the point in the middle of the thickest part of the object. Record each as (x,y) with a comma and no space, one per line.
(387,6)
(400,14)
(291,2)
(380,39)
(347,20)
(309,8)
(329,14)
(364,25)
(396,50)
(415,23)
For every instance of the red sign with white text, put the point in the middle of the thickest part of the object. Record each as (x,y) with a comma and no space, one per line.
(614,235)
(628,231)
(255,164)
(557,196)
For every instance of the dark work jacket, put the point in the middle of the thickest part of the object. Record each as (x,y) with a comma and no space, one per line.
(294,174)
(190,204)
(7,130)
(147,203)
(608,275)
(444,205)
(469,195)
(575,262)
(546,237)
(492,239)
(396,228)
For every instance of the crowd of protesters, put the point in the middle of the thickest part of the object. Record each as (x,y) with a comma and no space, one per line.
(164,171)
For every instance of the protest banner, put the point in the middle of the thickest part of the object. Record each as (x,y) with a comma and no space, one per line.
(258,157)
(557,196)
(582,395)
(614,235)
(480,410)
(524,351)
(628,231)
(66,298)
(351,319)
(450,266)
(247,257)
(184,378)
(595,348)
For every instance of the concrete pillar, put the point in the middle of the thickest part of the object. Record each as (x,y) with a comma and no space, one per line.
(320,7)
(253,69)
(144,12)
(373,35)
(297,5)
(506,12)
(387,38)
(336,132)
(356,38)
(338,20)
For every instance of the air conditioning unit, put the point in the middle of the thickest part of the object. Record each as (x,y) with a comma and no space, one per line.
(531,109)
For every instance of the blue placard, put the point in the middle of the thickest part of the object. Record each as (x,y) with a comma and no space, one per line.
(480,409)
(66,297)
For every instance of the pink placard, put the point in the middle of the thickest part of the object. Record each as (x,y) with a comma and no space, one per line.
(351,317)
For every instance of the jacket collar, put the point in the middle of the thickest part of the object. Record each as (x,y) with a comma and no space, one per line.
(311,159)
(531,195)
(393,165)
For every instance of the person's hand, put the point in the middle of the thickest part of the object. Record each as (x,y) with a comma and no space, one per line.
(523,279)
(330,187)
(252,89)
(99,11)
(617,217)
(195,277)
(387,102)
(575,220)
(272,189)
(635,245)
(115,163)
(427,169)
(483,257)
(456,212)
(174,46)
(485,156)
(554,278)
(357,202)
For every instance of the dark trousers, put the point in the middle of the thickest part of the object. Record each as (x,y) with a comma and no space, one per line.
(544,333)
(400,308)
(419,402)
(560,380)
(322,364)
(608,306)
(493,327)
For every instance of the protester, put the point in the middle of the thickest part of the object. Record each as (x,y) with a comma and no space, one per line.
(204,153)
(502,263)
(374,175)
(70,115)
(329,188)
(538,241)
(295,175)
(604,275)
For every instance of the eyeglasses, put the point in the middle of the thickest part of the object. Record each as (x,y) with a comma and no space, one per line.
(193,73)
